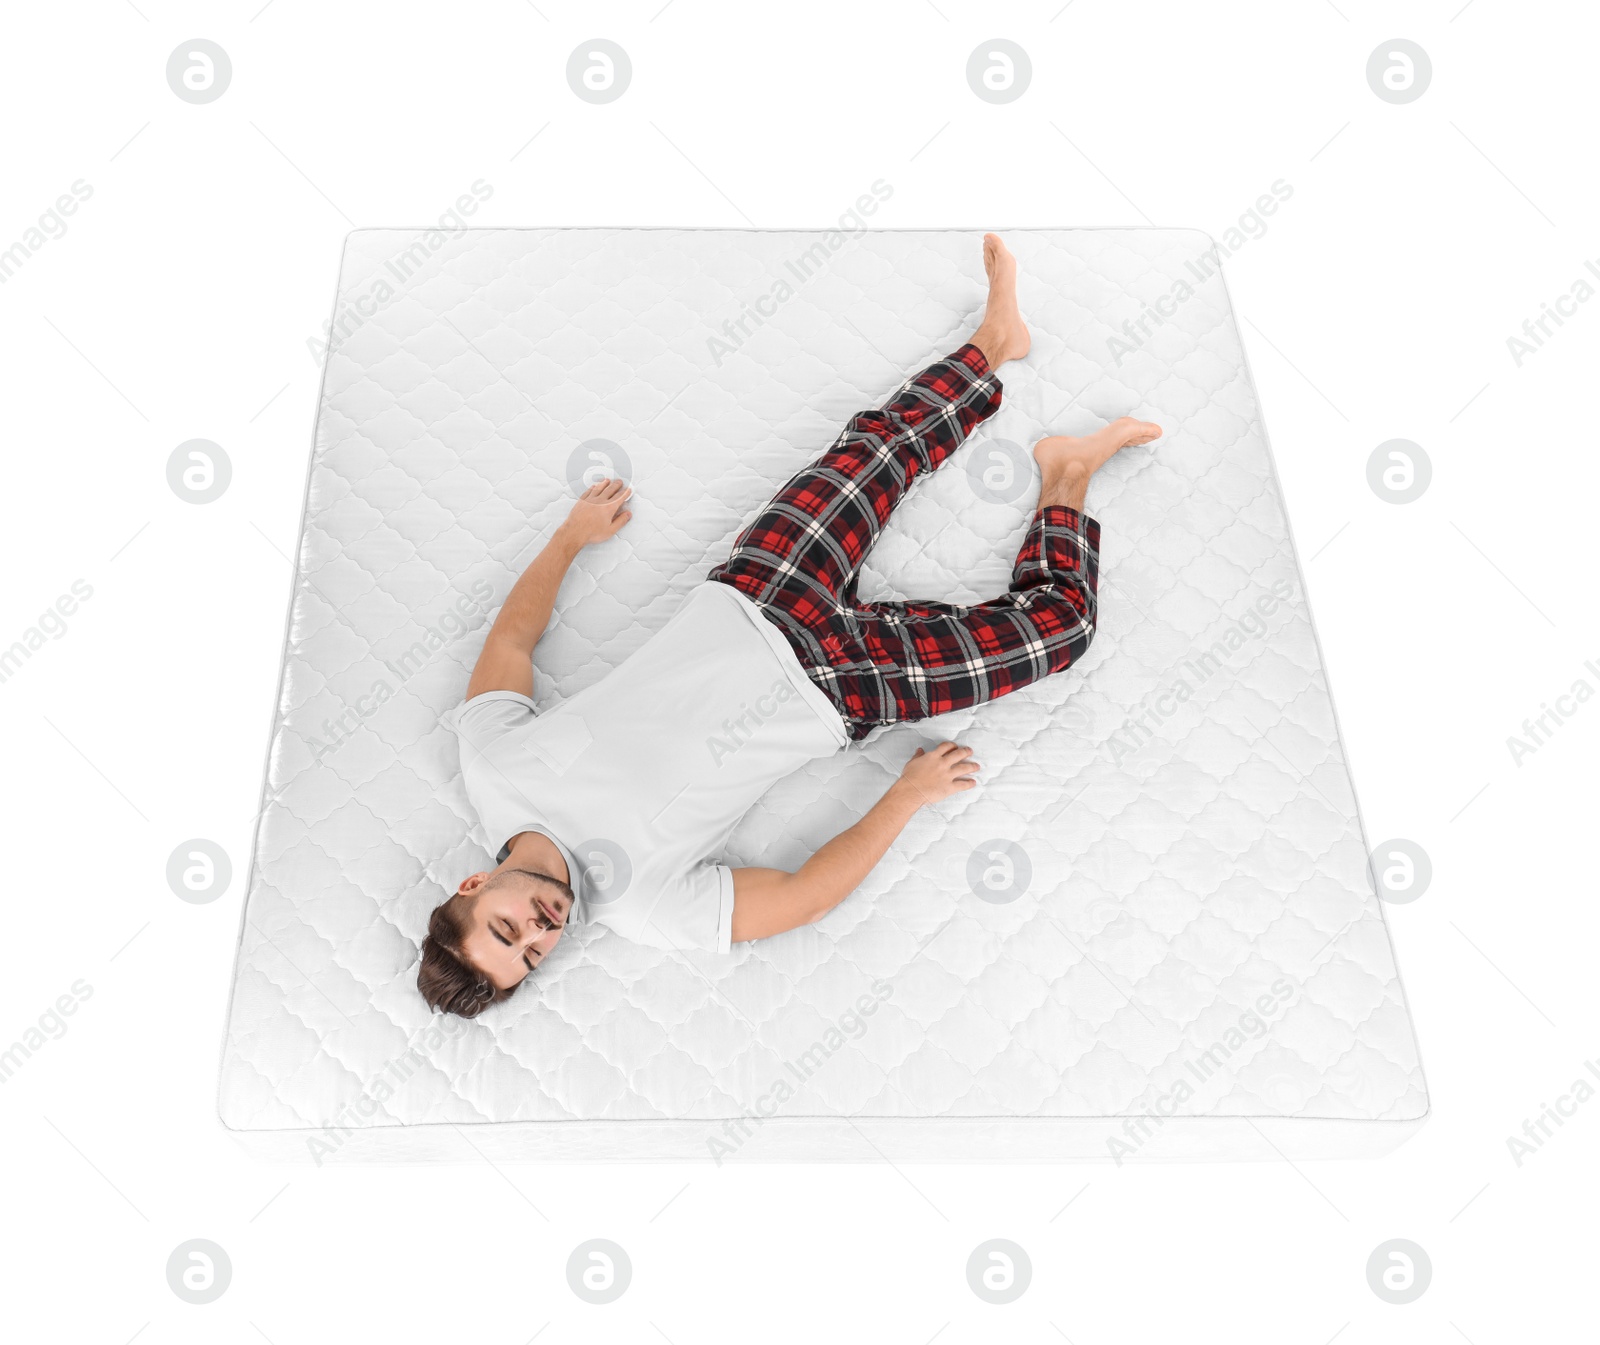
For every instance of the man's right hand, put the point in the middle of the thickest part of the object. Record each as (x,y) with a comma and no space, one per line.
(598,513)
(947,769)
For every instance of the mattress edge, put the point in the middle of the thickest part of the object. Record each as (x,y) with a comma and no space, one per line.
(1327,676)
(276,720)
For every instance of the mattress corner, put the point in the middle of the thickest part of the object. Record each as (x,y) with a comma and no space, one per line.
(220,1112)
(225,1106)
(1204,237)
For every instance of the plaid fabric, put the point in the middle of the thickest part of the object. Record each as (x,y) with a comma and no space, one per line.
(890,662)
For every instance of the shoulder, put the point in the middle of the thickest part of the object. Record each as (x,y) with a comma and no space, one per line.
(485,717)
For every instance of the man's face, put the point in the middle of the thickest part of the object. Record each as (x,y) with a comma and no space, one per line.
(515,918)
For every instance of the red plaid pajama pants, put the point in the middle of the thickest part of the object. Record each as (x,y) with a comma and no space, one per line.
(892,662)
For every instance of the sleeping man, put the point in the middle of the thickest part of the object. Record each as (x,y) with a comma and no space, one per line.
(613,807)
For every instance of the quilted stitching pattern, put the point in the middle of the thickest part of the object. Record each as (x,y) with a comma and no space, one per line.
(1173,881)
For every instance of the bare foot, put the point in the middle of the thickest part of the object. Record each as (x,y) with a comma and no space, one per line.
(1063,453)
(1002,335)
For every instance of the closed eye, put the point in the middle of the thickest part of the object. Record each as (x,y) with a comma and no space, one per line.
(507,941)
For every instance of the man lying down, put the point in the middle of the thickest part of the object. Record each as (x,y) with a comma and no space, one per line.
(774,648)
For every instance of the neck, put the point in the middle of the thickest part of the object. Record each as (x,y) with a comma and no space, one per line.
(536,851)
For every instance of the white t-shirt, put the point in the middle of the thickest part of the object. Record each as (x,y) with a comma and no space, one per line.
(640,778)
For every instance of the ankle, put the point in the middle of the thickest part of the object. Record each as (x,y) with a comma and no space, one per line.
(991,344)
(1066,484)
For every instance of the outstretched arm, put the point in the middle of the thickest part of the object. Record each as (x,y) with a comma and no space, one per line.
(769,901)
(506,663)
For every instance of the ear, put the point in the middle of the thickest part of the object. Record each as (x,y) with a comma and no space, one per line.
(472,884)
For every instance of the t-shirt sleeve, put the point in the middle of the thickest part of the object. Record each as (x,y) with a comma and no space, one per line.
(692,913)
(479,724)
(479,721)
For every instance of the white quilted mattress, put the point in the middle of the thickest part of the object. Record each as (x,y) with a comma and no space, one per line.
(1150,933)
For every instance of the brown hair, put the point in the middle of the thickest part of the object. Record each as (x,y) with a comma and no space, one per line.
(447,980)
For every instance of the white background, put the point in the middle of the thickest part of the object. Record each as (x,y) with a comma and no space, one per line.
(1378,305)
